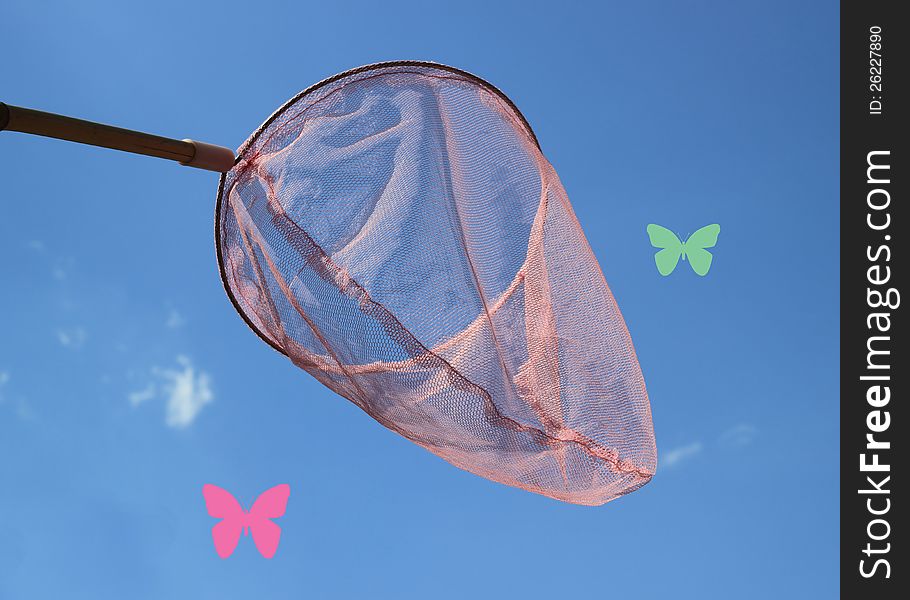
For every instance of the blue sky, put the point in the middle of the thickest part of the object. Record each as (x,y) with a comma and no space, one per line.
(127,380)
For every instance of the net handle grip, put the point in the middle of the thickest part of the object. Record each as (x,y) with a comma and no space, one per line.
(186,152)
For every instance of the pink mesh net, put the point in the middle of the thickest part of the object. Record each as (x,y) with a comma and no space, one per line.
(397,233)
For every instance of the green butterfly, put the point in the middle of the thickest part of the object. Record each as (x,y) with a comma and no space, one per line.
(693,247)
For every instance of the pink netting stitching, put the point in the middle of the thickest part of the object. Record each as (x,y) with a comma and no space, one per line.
(397,233)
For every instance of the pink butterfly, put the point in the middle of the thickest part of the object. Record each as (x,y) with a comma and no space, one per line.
(271,504)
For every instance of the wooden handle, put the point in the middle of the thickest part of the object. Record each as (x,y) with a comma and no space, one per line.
(187,152)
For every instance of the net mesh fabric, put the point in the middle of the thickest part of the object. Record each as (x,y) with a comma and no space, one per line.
(397,233)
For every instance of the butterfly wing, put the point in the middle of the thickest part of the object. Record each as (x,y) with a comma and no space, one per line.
(222,505)
(672,248)
(226,535)
(266,535)
(699,258)
(271,504)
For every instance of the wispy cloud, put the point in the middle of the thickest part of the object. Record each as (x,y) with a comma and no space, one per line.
(60,265)
(175,320)
(739,436)
(185,391)
(22,408)
(58,273)
(4,379)
(73,337)
(676,456)
(144,395)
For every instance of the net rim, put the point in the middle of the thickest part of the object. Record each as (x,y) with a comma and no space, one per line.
(313,88)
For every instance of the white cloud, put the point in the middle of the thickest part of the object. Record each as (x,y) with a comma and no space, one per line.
(739,436)
(22,408)
(62,267)
(143,395)
(4,379)
(73,337)
(676,456)
(175,320)
(185,390)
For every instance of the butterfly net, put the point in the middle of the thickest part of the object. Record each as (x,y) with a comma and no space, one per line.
(397,233)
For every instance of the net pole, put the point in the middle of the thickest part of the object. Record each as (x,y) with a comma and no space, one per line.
(187,152)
